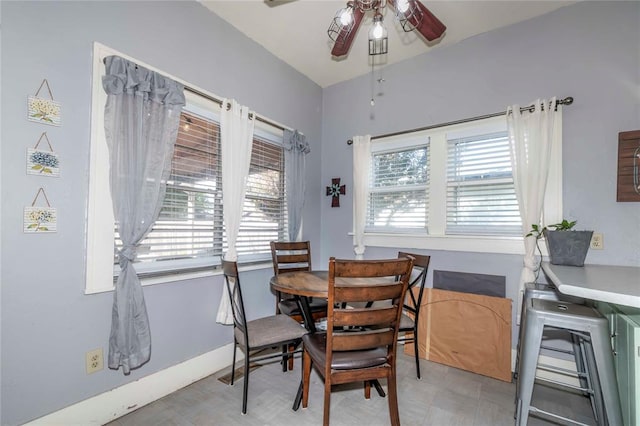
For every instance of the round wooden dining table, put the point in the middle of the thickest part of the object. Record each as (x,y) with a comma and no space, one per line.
(303,285)
(306,284)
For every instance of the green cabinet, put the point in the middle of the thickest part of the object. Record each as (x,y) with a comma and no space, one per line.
(625,340)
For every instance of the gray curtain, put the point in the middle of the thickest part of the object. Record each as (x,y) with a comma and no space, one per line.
(141,120)
(296,148)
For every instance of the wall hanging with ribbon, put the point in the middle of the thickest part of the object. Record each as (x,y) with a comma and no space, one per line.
(40,219)
(43,163)
(41,110)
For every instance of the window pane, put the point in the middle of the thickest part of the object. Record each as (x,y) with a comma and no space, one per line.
(481,198)
(264,212)
(190,222)
(400,209)
(398,194)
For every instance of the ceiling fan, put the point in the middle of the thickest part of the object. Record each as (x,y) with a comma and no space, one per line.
(411,14)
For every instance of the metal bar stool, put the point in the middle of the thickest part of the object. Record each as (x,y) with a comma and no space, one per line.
(590,326)
(549,292)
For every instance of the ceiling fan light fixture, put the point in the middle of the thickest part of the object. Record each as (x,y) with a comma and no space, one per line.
(346,16)
(408,14)
(342,22)
(402,6)
(378,36)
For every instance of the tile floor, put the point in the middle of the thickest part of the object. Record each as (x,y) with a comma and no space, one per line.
(444,397)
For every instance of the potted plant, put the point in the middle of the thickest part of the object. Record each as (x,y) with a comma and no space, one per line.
(566,246)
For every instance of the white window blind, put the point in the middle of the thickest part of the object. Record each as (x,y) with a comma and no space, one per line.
(481,198)
(264,212)
(189,227)
(189,233)
(398,193)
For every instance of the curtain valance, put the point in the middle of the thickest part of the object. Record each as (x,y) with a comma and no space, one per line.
(296,142)
(123,76)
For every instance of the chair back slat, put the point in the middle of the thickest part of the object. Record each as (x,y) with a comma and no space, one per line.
(347,341)
(369,268)
(373,291)
(293,258)
(362,317)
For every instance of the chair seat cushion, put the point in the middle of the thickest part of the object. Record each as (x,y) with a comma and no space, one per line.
(316,345)
(271,331)
(406,323)
(290,306)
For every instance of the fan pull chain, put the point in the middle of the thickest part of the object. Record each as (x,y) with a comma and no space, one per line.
(373,102)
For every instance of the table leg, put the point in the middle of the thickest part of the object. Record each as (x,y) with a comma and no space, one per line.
(378,387)
(309,323)
(298,400)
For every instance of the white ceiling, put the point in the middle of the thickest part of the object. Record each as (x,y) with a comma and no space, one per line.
(296,31)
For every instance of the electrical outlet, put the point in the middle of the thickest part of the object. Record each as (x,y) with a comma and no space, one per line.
(597,241)
(94,361)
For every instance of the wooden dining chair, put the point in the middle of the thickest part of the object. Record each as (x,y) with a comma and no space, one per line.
(276,331)
(411,307)
(292,256)
(360,343)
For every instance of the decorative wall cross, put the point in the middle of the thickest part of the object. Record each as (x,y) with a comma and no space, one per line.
(335,190)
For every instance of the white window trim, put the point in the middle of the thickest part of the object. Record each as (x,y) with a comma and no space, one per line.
(436,239)
(99,268)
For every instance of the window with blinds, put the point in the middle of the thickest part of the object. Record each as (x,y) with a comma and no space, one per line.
(398,190)
(264,212)
(481,198)
(189,233)
(450,187)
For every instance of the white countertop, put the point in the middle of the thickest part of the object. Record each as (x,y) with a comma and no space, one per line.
(606,283)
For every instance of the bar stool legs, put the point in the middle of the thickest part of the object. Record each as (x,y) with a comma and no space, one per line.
(592,329)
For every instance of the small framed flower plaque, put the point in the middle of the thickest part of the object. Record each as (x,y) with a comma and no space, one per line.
(43,163)
(45,111)
(40,219)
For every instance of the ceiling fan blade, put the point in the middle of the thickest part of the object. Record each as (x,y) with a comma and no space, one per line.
(347,34)
(430,27)
(274,3)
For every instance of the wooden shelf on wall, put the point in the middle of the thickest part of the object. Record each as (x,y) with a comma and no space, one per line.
(628,166)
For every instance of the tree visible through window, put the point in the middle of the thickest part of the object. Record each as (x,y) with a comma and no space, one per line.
(398,189)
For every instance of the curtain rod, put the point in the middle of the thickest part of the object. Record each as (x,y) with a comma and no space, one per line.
(566,101)
(219,102)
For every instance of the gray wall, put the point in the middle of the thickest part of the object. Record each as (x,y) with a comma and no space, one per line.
(590,50)
(47,322)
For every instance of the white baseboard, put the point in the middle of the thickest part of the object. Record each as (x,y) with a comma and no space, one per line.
(115,403)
